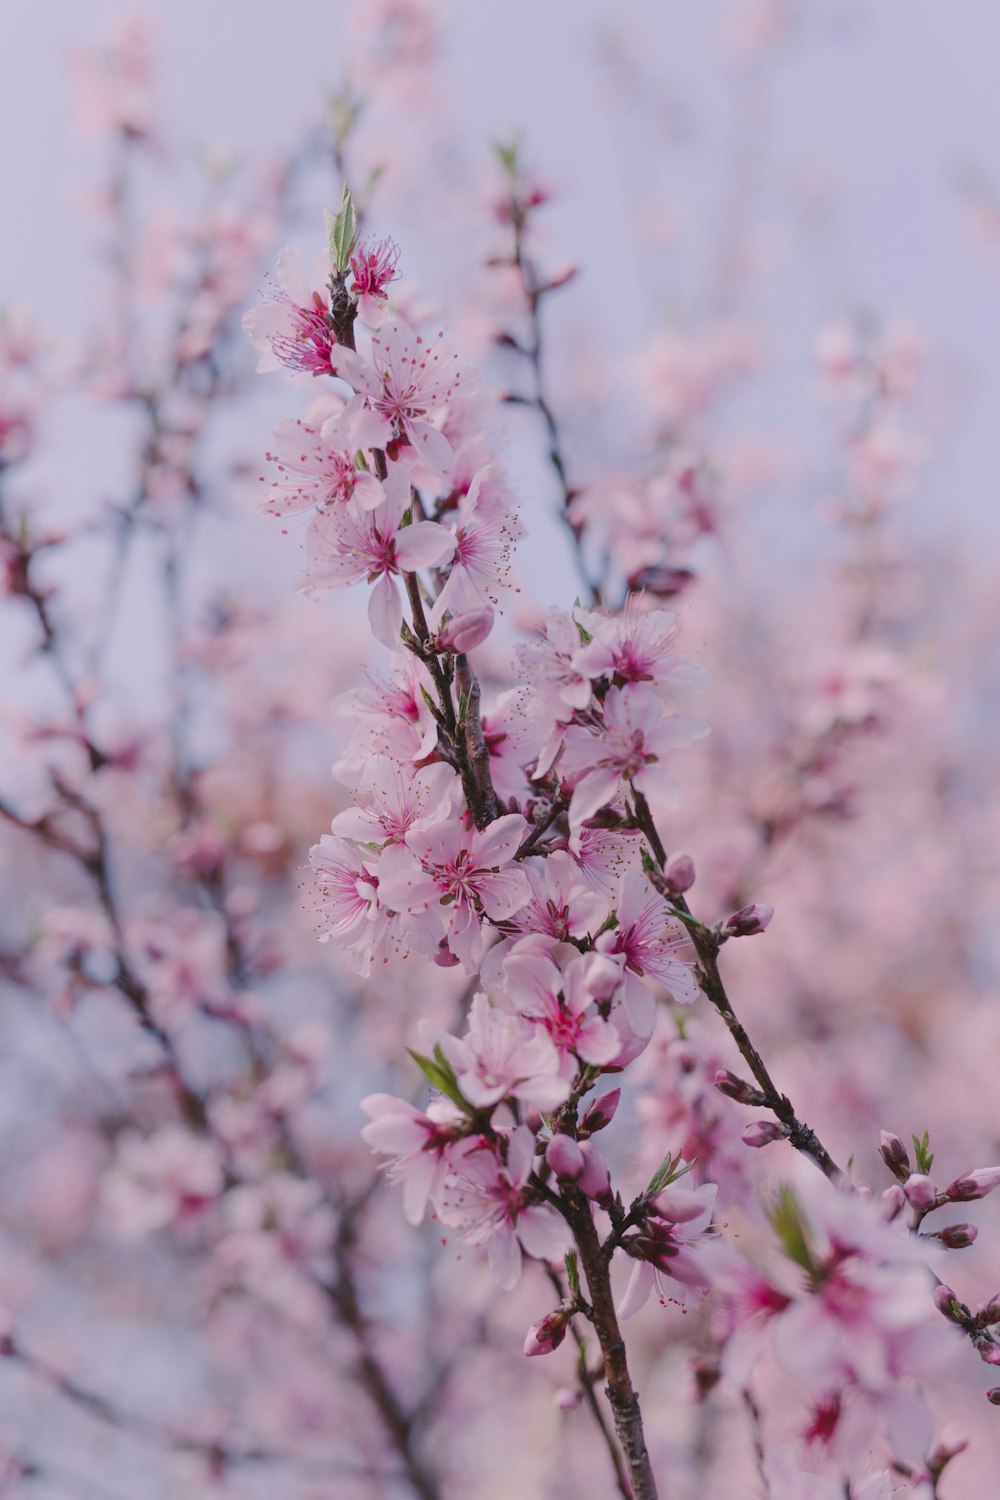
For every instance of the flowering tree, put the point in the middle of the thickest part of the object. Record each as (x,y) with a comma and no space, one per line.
(529,1003)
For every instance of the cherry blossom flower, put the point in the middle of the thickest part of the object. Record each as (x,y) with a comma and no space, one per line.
(469,872)
(391,716)
(349,902)
(292,326)
(318,469)
(490,1199)
(648,942)
(636,646)
(373,266)
(563,1004)
(625,752)
(419,1141)
(663,1250)
(480,570)
(408,382)
(166,1178)
(503,1056)
(398,803)
(345,547)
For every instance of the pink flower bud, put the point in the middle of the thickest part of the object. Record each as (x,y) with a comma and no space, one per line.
(763,1132)
(678,873)
(678,1205)
(601,1112)
(958,1236)
(565,1157)
(467,629)
(748,921)
(567,1396)
(547,1335)
(989,1352)
(948,1303)
(991,1312)
(737,1088)
(595,1179)
(920,1191)
(993,1395)
(973,1185)
(893,1201)
(894,1154)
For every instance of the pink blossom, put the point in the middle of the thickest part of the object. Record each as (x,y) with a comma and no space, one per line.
(390,716)
(648,942)
(349,901)
(471,872)
(318,470)
(466,630)
(345,547)
(292,326)
(373,266)
(663,1253)
(489,1198)
(503,1056)
(561,905)
(408,382)
(398,803)
(624,752)
(419,1142)
(480,569)
(563,1005)
(161,1179)
(636,646)
(548,1334)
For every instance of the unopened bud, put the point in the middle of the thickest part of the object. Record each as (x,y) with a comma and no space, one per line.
(972,1185)
(957,1236)
(547,1335)
(678,1205)
(601,1112)
(565,1157)
(894,1154)
(993,1395)
(678,873)
(893,1201)
(737,1088)
(466,630)
(763,1132)
(990,1313)
(595,1180)
(920,1191)
(989,1352)
(948,1303)
(748,921)
(567,1396)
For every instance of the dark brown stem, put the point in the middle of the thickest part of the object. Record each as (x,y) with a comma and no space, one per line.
(588,1380)
(619,1389)
(706,944)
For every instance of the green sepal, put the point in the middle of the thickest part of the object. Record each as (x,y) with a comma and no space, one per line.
(440,1074)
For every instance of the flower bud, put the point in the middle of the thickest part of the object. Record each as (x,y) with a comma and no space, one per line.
(748,921)
(737,1088)
(893,1201)
(601,1112)
(973,1185)
(595,1180)
(920,1191)
(957,1236)
(678,873)
(547,1335)
(990,1313)
(565,1157)
(678,1205)
(989,1352)
(567,1396)
(763,1132)
(948,1303)
(993,1395)
(894,1154)
(467,629)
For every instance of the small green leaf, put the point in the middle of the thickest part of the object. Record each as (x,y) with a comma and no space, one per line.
(341,231)
(441,1076)
(923,1153)
(789,1225)
(572,1273)
(671,1169)
(508,157)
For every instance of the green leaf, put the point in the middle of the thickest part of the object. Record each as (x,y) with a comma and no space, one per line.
(922,1151)
(341,231)
(440,1075)
(789,1225)
(508,157)
(572,1273)
(671,1169)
